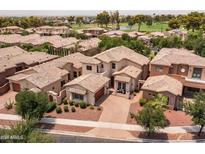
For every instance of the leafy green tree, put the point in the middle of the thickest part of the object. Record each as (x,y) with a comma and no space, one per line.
(174,24)
(31,105)
(159,102)
(103,18)
(25,132)
(131,22)
(117,19)
(139,19)
(197,110)
(151,118)
(79,20)
(71,19)
(193,21)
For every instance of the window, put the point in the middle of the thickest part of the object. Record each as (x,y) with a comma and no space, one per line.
(197,73)
(79,73)
(97,69)
(77,96)
(113,65)
(89,67)
(53,88)
(158,69)
(102,66)
(75,75)
(62,83)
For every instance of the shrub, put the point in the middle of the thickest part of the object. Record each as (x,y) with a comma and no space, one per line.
(58,110)
(8,105)
(65,102)
(71,103)
(66,108)
(83,105)
(91,107)
(132,115)
(76,104)
(143,101)
(99,108)
(73,109)
(51,106)
(88,104)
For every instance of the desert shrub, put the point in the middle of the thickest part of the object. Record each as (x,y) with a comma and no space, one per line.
(71,103)
(132,115)
(58,110)
(76,104)
(65,102)
(51,106)
(9,105)
(73,109)
(88,104)
(143,101)
(91,107)
(83,105)
(66,108)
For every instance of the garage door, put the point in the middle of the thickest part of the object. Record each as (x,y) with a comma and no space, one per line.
(99,94)
(16,87)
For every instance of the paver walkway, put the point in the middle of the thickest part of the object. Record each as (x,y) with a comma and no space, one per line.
(108,125)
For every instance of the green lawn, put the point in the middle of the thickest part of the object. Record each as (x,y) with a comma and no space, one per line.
(153,28)
(144,27)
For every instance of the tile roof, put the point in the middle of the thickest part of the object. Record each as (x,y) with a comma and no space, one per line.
(168,56)
(91,82)
(89,44)
(120,53)
(163,83)
(131,71)
(11,51)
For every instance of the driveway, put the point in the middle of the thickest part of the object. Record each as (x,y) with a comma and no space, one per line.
(9,96)
(115,109)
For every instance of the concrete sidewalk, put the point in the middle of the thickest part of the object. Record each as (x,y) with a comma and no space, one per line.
(83,123)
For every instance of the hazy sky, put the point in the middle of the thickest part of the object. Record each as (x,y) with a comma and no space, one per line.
(83,13)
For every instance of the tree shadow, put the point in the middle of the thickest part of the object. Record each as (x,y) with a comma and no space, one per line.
(156,137)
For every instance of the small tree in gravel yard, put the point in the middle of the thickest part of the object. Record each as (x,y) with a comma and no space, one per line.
(151,118)
(197,110)
(31,105)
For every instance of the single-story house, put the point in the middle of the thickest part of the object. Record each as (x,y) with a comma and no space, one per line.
(88,88)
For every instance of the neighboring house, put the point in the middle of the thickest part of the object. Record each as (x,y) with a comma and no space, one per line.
(42,78)
(157,34)
(114,63)
(182,65)
(165,85)
(177,32)
(88,88)
(94,31)
(11,30)
(14,59)
(52,30)
(116,33)
(135,34)
(49,77)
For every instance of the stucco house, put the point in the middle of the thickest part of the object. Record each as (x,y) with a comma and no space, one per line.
(165,85)
(88,88)
(94,31)
(52,30)
(15,59)
(11,30)
(182,65)
(114,63)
